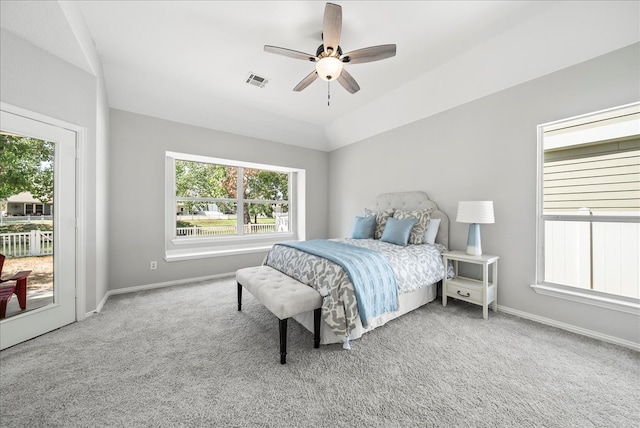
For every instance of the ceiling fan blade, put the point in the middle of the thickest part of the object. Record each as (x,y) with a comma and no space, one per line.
(348,82)
(331,27)
(290,53)
(372,53)
(306,81)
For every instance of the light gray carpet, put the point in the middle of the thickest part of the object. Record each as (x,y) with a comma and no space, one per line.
(184,356)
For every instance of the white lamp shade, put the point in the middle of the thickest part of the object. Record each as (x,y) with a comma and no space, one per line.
(329,68)
(480,212)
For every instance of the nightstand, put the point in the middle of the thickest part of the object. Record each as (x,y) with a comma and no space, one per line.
(479,292)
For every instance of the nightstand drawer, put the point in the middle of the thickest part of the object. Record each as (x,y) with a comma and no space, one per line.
(466,294)
(477,291)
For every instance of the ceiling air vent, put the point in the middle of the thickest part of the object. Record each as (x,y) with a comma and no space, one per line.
(255,80)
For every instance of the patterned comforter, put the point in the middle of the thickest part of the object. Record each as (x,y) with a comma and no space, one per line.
(414,266)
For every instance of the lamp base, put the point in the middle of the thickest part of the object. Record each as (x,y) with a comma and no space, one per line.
(474,247)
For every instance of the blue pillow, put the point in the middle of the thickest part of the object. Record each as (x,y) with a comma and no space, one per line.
(363,227)
(398,231)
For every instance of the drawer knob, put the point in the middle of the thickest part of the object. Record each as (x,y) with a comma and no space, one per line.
(464,295)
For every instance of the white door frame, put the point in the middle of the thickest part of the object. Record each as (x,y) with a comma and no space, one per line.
(81,140)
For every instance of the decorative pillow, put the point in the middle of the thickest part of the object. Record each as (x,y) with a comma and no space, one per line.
(381,220)
(422,222)
(432,231)
(397,231)
(363,227)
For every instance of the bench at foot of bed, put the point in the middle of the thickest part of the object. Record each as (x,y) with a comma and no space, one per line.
(283,296)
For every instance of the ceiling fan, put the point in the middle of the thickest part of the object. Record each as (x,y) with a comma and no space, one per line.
(329,58)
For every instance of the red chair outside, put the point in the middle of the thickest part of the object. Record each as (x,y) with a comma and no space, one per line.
(19,288)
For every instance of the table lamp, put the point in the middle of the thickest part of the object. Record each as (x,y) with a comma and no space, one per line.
(475,213)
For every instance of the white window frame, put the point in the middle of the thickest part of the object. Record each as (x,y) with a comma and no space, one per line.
(575,294)
(187,248)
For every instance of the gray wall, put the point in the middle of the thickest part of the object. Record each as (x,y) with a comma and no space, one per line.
(486,150)
(136,195)
(35,80)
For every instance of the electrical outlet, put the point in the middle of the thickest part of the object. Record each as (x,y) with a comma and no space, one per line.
(154,265)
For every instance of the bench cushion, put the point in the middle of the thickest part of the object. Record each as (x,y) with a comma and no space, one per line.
(281,294)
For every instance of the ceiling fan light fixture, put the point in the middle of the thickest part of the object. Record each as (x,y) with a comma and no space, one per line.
(329,58)
(329,68)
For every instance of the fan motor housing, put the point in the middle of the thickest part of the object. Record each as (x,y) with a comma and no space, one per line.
(320,51)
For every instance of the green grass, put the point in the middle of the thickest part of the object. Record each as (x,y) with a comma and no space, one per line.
(26,227)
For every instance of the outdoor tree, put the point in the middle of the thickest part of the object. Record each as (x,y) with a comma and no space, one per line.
(26,165)
(265,185)
(201,180)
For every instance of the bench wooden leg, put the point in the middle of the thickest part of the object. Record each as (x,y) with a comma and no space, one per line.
(316,327)
(5,295)
(3,308)
(239,296)
(21,292)
(283,341)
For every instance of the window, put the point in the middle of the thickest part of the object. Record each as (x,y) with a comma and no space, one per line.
(589,208)
(221,207)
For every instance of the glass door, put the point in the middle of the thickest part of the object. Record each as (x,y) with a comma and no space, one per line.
(37,227)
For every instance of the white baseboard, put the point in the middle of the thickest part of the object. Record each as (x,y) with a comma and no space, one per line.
(157,285)
(571,328)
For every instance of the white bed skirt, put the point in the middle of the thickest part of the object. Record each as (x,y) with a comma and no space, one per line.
(407,302)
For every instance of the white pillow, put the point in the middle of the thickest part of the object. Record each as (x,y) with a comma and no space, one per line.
(432,231)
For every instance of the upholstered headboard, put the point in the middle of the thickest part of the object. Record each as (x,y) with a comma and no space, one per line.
(416,201)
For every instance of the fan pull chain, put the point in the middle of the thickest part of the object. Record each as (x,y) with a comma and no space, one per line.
(328,93)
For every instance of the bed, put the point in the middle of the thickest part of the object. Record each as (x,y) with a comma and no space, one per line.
(413,266)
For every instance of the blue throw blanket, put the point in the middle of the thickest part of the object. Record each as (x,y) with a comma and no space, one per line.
(369,271)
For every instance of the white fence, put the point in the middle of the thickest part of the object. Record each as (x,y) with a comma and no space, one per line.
(224,230)
(34,243)
(600,256)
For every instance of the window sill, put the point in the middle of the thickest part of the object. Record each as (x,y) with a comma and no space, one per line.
(223,246)
(204,253)
(617,303)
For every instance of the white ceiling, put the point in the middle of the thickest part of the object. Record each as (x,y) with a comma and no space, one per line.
(188,60)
